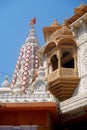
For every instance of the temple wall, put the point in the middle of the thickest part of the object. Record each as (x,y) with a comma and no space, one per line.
(81,35)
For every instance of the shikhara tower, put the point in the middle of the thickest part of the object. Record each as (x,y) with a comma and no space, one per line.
(27,64)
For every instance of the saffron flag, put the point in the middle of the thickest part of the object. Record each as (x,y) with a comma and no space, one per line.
(33,21)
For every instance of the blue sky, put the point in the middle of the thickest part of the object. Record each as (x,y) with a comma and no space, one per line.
(14,25)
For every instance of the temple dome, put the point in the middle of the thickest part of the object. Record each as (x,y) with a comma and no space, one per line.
(6,83)
(64,30)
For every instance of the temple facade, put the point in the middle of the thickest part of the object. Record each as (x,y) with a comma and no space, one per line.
(49,85)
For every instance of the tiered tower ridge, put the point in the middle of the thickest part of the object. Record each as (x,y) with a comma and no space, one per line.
(27,64)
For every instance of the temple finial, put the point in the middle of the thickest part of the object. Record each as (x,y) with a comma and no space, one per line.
(32,22)
(6,77)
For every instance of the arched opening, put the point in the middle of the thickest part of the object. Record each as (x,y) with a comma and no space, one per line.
(49,47)
(67,42)
(67,60)
(54,62)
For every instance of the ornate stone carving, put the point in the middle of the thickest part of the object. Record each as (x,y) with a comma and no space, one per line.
(83,59)
(82,35)
(83,85)
(64,30)
(67,72)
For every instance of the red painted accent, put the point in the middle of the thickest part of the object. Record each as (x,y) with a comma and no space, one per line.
(27,113)
(33,21)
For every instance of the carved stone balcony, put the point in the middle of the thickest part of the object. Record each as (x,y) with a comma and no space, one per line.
(62,82)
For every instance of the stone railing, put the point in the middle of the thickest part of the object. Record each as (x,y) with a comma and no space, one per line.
(67,72)
(53,76)
(41,97)
(62,72)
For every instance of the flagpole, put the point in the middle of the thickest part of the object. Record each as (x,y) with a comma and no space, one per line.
(32,25)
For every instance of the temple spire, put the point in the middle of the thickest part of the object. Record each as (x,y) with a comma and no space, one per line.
(28,62)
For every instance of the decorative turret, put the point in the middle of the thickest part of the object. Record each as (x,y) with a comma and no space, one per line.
(55,24)
(49,30)
(5,89)
(28,62)
(6,83)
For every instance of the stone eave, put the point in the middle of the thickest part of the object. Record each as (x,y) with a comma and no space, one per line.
(49,29)
(50,107)
(28,106)
(74,103)
(77,23)
(77,15)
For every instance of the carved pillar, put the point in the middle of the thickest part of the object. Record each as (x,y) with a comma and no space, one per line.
(50,68)
(75,62)
(59,61)
(46,68)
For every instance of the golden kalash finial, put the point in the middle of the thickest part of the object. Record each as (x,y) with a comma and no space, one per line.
(7,77)
(32,22)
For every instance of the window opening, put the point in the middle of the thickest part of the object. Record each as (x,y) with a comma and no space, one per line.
(67,60)
(54,62)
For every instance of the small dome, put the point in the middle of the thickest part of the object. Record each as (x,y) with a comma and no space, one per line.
(55,24)
(64,30)
(6,83)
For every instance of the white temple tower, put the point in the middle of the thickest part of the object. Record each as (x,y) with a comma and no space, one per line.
(27,64)
(28,82)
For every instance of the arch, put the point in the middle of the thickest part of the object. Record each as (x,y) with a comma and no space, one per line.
(67,46)
(67,60)
(67,41)
(49,47)
(54,62)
